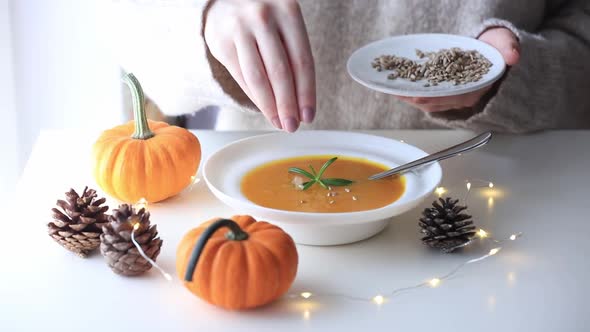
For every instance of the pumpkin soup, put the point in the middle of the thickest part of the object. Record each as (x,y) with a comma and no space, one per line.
(321,184)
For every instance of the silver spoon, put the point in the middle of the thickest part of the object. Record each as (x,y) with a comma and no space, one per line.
(474,143)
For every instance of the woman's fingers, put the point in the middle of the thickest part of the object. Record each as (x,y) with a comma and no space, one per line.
(295,38)
(278,70)
(437,104)
(232,64)
(264,46)
(255,77)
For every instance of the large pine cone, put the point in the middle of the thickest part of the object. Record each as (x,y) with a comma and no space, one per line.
(78,225)
(445,227)
(121,254)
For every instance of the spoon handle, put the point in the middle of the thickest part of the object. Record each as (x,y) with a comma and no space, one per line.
(466,146)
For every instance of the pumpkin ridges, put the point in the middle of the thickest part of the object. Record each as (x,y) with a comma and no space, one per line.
(218,268)
(117,132)
(245,221)
(258,229)
(245,273)
(275,244)
(252,261)
(203,273)
(267,267)
(126,130)
(108,139)
(176,159)
(152,161)
(124,168)
(262,266)
(104,166)
(176,143)
(165,164)
(156,125)
(262,226)
(173,131)
(279,249)
(234,275)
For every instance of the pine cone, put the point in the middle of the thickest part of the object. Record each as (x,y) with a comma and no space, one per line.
(445,227)
(116,246)
(79,226)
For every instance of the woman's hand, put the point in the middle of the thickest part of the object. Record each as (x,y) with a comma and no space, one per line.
(500,38)
(265,47)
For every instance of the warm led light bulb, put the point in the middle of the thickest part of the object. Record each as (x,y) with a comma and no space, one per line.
(468,185)
(379,299)
(513,237)
(434,282)
(141,204)
(306,295)
(491,185)
(136,226)
(494,251)
(440,190)
(482,234)
(306,314)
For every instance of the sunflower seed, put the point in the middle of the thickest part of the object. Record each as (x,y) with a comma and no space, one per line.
(447,65)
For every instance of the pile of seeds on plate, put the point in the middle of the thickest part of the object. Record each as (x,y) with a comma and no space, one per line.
(447,65)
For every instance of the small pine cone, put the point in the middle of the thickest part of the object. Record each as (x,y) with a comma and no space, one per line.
(117,247)
(445,227)
(78,225)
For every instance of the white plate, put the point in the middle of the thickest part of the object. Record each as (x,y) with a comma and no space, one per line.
(224,170)
(360,69)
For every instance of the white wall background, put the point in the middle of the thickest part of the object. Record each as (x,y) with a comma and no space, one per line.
(63,75)
(8,118)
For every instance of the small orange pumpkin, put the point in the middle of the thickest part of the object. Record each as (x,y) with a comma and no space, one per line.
(250,265)
(143,158)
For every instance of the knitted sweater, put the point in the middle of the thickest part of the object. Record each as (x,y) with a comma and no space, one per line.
(161,42)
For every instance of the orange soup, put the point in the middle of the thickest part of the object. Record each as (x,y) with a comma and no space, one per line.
(272,185)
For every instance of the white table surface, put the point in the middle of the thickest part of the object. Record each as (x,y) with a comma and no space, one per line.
(538,283)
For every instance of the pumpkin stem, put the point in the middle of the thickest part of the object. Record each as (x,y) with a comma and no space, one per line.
(142,129)
(235,234)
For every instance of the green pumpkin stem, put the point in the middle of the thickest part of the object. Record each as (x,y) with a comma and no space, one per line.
(235,234)
(142,129)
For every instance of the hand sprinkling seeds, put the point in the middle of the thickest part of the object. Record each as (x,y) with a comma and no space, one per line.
(447,65)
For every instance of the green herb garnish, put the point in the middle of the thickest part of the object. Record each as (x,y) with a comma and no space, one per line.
(316,177)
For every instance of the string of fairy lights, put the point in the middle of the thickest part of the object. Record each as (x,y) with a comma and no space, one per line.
(379,299)
(434,282)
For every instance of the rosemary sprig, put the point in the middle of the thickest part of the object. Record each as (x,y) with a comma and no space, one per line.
(316,177)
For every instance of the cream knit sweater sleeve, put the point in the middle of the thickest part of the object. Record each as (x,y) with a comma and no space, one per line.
(548,88)
(160,42)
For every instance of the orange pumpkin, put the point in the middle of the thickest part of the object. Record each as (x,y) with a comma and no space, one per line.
(143,158)
(250,265)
